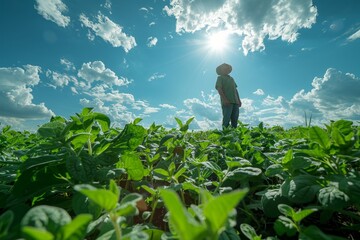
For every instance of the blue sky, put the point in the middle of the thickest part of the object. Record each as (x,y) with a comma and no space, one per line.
(156,60)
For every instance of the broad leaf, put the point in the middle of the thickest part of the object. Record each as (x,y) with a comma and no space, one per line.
(133,166)
(331,197)
(32,233)
(6,220)
(218,209)
(319,136)
(300,189)
(47,218)
(249,231)
(104,198)
(185,226)
(285,226)
(76,229)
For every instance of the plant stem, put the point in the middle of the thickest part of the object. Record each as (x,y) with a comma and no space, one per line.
(155,202)
(117,228)
(89,146)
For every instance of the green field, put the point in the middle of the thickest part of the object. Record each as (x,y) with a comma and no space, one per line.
(80,178)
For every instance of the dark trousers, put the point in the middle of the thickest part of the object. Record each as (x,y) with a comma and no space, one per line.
(230,114)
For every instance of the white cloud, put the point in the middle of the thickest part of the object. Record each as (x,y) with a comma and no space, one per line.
(109,31)
(167,106)
(96,71)
(152,41)
(255,20)
(202,109)
(68,65)
(332,97)
(259,92)
(156,76)
(144,9)
(271,101)
(121,107)
(336,95)
(59,79)
(16,99)
(53,10)
(354,36)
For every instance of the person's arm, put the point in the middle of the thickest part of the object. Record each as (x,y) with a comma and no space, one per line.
(238,101)
(223,97)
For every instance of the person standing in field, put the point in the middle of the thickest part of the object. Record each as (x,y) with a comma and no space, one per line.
(230,100)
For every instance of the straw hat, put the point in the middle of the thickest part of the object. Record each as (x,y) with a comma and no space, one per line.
(224,69)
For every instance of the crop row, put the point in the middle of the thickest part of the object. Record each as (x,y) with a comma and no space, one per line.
(80,178)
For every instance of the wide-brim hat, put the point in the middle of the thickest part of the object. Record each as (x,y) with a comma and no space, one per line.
(224,69)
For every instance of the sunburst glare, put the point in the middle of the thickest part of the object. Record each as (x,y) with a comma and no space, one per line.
(218,41)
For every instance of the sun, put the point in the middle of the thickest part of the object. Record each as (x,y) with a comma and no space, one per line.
(218,41)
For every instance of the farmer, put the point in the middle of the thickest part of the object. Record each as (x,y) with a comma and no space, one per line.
(230,100)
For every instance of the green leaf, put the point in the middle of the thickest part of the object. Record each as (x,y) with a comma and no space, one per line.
(285,226)
(331,197)
(47,218)
(161,171)
(6,220)
(243,172)
(77,228)
(274,169)
(288,157)
(51,129)
(313,232)
(32,233)
(270,201)
(149,189)
(103,120)
(249,231)
(179,122)
(218,209)
(154,234)
(133,165)
(127,206)
(102,197)
(301,214)
(166,138)
(184,224)
(319,136)
(300,189)
(189,121)
(286,210)
(180,172)
(79,140)
(82,204)
(230,234)
(113,187)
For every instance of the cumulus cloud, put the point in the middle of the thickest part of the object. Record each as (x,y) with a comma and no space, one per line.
(333,96)
(16,99)
(53,10)
(152,41)
(354,36)
(255,20)
(121,107)
(207,111)
(259,92)
(109,31)
(96,71)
